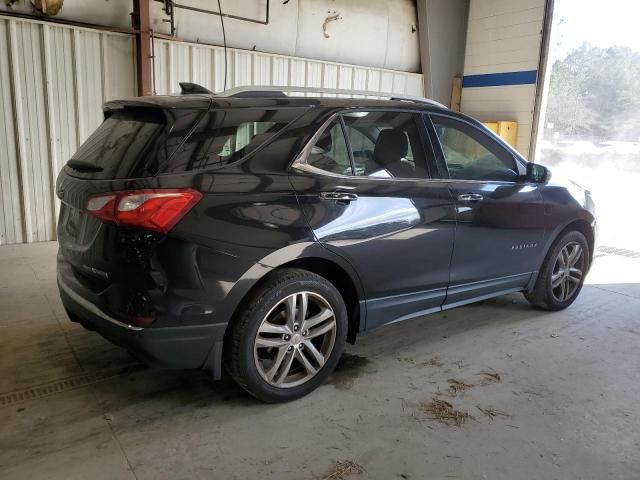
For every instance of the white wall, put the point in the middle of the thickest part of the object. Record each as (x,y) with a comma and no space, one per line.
(374,33)
(503,36)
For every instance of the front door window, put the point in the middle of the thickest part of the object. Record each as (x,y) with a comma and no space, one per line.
(470,154)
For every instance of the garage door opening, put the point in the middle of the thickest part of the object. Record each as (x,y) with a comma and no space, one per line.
(590,131)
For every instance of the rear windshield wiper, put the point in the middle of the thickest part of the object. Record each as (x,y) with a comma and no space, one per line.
(83,166)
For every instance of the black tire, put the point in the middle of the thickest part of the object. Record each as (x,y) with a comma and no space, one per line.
(542,294)
(239,348)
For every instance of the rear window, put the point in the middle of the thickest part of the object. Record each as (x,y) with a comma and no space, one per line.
(134,142)
(142,142)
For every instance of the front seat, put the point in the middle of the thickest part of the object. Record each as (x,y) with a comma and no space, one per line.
(390,149)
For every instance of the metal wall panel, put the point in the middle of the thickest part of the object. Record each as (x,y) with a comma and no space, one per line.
(53,82)
(10,211)
(61,101)
(204,64)
(30,112)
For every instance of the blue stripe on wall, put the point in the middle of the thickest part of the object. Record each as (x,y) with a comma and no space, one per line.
(500,79)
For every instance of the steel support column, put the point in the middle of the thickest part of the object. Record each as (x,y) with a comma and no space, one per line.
(141,23)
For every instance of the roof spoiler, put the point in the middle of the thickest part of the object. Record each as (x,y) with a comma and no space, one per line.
(187,88)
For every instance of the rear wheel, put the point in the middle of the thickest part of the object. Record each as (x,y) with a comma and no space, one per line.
(288,337)
(563,272)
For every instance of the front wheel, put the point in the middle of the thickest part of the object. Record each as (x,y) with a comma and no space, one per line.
(563,272)
(288,336)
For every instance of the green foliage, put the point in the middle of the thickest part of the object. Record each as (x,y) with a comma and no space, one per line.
(596,92)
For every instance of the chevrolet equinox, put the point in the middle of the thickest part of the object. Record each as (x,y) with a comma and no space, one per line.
(261,232)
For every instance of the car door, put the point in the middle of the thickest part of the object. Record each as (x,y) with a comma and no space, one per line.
(372,201)
(500,218)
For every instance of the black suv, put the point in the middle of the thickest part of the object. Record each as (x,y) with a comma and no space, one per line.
(262,231)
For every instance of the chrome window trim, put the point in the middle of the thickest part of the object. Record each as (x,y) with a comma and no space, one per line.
(301,159)
(300,162)
(305,167)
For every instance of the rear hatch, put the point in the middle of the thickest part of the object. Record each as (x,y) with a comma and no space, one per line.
(126,150)
(96,258)
(132,180)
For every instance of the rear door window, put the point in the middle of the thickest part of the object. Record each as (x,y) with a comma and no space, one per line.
(386,144)
(330,153)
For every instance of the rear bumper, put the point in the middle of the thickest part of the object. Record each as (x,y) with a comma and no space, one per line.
(193,346)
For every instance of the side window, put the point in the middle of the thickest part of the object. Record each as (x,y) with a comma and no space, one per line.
(244,135)
(224,136)
(470,153)
(330,151)
(386,144)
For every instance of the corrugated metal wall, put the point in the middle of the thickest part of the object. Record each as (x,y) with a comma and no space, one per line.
(53,81)
(204,64)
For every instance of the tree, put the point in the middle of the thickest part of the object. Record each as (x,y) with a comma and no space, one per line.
(594,92)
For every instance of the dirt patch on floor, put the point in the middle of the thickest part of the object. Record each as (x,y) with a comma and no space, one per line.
(443,411)
(433,362)
(493,412)
(490,376)
(344,469)
(457,386)
(350,367)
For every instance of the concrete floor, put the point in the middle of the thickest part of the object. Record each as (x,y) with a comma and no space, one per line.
(74,406)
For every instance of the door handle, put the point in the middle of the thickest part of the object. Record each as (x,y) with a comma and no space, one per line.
(345,197)
(470,197)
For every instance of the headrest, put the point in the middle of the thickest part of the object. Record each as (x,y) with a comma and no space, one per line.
(391,146)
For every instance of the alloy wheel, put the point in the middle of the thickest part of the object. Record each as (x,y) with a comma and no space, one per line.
(295,339)
(567,273)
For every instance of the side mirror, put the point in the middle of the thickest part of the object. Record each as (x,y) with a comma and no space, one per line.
(537,173)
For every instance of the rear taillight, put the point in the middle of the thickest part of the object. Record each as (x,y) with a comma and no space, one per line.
(153,209)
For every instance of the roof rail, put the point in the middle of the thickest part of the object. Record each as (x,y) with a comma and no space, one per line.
(279,91)
(412,98)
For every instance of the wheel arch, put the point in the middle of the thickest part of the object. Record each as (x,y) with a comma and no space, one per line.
(339,277)
(585,228)
(582,225)
(312,257)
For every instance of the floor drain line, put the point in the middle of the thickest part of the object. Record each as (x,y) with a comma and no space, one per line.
(60,386)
